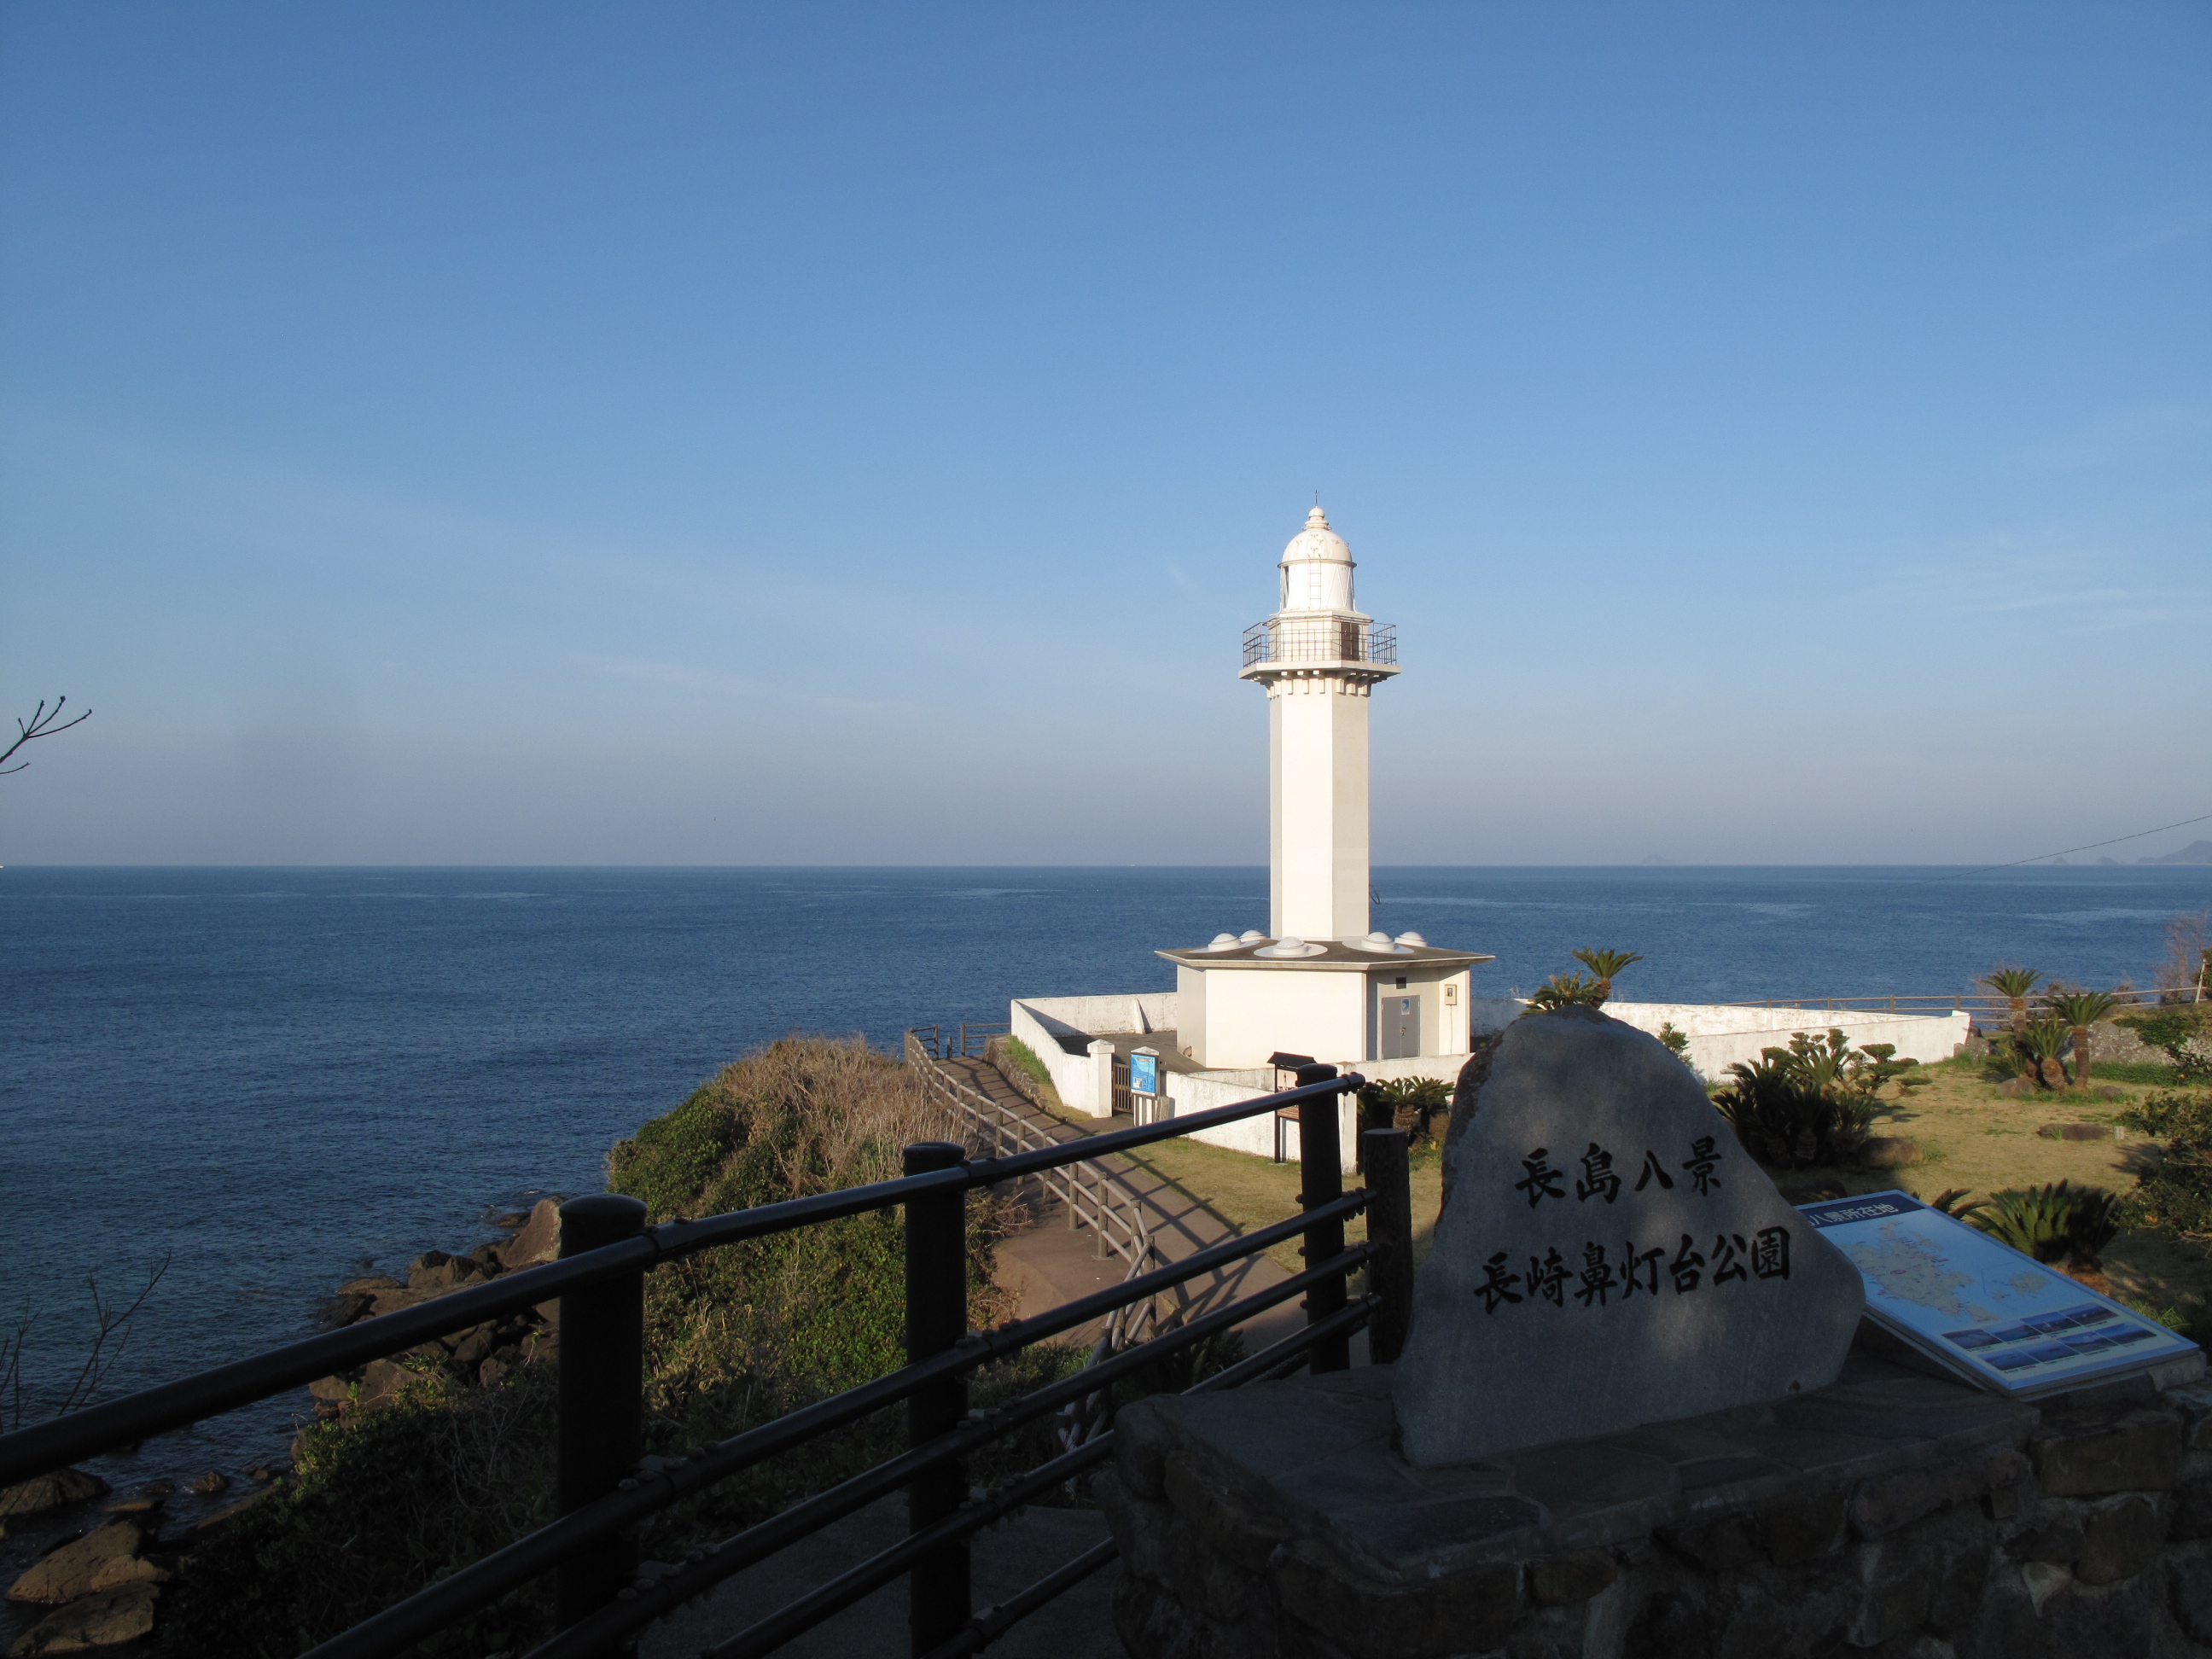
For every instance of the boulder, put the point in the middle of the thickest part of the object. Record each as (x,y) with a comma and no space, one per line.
(106,1620)
(538,1239)
(70,1571)
(1608,1255)
(334,1389)
(1890,1152)
(369,1286)
(434,1270)
(346,1307)
(394,1301)
(509,1219)
(211,1483)
(48,1494)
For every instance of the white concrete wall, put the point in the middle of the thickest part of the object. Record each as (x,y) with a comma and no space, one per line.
(1084,1079)
(1256,1135)
(1721,1035)
(1252,1014)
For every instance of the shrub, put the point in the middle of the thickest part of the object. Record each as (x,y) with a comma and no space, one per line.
(2177,1031)
(389,1501)
(1414,1102)
(1786,1121)
(2054,1222)
(2175,1195)
(1565,991)
(1678,1042)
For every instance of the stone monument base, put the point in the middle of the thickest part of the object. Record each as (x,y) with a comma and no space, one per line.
(1892,1511)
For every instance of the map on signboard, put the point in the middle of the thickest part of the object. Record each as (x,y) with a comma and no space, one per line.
(1983,1305)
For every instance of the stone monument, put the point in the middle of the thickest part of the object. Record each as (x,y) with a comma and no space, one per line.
(1608,1255)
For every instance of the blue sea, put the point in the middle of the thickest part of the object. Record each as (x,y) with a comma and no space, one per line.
(278,1079)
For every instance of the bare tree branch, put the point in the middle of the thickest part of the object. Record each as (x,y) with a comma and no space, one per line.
(42,723)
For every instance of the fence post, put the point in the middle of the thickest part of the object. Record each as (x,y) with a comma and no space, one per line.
(1389,1221)
(1321,1181)
(936,1318)
(602,1422)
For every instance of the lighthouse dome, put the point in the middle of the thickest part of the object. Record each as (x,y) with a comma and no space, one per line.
(1317,541)
(1317,567)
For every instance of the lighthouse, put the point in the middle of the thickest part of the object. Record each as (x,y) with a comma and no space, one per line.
(1322,981)
(1318,658)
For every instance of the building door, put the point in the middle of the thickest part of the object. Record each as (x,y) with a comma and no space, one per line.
(1401,1025)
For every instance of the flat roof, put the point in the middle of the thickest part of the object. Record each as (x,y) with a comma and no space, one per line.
(1334,954)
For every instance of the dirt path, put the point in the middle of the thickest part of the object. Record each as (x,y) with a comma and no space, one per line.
(1051,1263)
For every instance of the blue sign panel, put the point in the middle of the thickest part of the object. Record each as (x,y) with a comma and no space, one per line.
(1144,1074)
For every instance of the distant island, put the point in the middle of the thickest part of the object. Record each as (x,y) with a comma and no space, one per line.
(2197,851)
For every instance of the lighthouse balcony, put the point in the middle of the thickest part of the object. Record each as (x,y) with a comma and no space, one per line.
(1310,641)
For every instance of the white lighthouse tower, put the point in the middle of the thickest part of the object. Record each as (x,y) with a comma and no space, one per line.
(1319,982)
(1318,657)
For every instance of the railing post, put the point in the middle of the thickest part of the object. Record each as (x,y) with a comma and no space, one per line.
(602,1423)
(1390,1222)
(1321,1181)
(936,1318)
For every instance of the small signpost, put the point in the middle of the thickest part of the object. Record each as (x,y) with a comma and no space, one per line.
(1145,1101)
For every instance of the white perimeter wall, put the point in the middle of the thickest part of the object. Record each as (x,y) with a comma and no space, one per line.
(1720,1036)
(1054,1025)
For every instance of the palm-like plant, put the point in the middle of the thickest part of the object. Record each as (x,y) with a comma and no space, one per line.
(2041,1041)
(2053,1223)
(1565,991)
(1605,965)
(2081,1010)
(2013,984)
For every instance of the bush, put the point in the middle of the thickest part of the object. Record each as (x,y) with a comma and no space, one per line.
(2175,1196)
(1678,1042)
(2055,1222)
(1026,1058)
(389,1501)
(1566,991)
(1786,1122)
(2180,1032)
(1415,1103)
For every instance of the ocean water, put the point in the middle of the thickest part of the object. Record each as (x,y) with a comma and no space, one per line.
(279,1079)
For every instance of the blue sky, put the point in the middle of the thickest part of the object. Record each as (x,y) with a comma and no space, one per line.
(717,434)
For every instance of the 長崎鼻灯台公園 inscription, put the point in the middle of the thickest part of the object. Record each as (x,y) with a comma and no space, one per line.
(1653,1274)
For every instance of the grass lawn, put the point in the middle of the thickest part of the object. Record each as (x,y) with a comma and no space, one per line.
(1979,1139)
(1974,1138)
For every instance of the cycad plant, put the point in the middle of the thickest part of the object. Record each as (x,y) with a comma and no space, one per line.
(2040,1042)
(1565,991)
(2056,1222)
(2081,1010)
(1787,1120)
(2013,984)
(1605,965)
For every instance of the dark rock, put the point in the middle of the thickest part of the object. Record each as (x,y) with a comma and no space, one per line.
(106,1620)
(507,1218)
(2122,1537)
(192,1537)
(335,1390)
(1571,1578)
(434,1270)
(48,1494)
(381,1381)
(75,1569)
(1890,1152)
(394,1301)
(1463,1613)
(549,1311)
(261,1473)
(474,1347)
(2059,1540)
(1802,1527)
(2191,1515)
(487,1257)
(370,1285)
(1718,1546)
(1882,1506)
(343,1309)
(211,1483)
(539,1238)
(2189,1596)
(2095,1455)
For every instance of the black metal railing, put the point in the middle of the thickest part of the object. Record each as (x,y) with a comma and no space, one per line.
(1320,639)
(605,1486)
